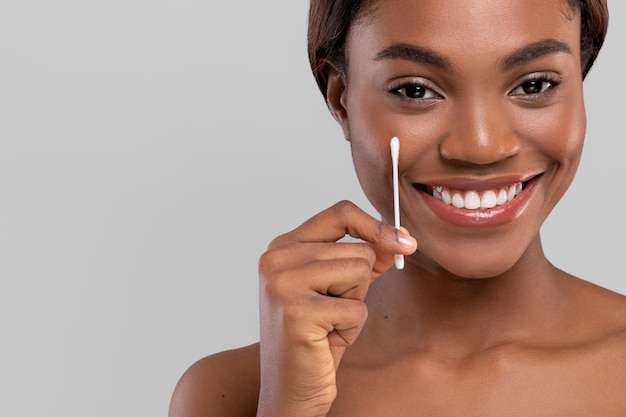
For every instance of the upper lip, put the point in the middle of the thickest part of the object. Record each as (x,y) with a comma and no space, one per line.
(477,183)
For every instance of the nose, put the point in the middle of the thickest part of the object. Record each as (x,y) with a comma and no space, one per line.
(481,134)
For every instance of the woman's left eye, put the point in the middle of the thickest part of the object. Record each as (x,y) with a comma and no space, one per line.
(535,86)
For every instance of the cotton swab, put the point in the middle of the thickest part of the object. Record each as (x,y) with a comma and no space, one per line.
(395,153)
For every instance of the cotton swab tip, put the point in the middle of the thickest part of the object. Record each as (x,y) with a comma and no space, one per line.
(399,261)
(395,148)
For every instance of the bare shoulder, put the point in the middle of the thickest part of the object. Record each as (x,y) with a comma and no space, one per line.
(604,307)
(600,316)
(223,384)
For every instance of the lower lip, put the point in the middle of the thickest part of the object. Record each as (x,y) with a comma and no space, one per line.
(496,216)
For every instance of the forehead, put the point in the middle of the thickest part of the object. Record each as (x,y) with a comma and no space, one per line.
(465,27)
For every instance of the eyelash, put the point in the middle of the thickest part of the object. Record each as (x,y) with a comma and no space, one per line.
(421,89)
(546,83)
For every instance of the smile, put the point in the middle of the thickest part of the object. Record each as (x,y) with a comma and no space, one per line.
(476,200)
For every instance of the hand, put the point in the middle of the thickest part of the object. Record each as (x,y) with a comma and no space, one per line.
(312,292)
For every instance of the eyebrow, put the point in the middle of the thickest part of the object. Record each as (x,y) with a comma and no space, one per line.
(534,51)
(426,56)
(413,53)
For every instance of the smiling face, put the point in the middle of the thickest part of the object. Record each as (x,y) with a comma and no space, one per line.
(486,98)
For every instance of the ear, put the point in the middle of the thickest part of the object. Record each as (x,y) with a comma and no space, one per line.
(336,98)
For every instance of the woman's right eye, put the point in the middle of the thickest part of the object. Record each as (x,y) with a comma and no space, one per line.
(414,91)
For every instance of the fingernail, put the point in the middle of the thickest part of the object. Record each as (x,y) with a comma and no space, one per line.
(405,239)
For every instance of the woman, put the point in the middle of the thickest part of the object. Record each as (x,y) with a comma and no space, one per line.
(487,100)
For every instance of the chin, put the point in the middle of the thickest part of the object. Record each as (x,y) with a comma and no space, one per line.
(470,267)
(478,271)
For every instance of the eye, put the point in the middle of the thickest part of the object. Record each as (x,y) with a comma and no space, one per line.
(414,91)
(535,85)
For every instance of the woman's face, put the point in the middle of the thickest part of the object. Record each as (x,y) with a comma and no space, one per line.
(486,99)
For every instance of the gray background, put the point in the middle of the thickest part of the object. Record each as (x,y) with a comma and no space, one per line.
(148,153)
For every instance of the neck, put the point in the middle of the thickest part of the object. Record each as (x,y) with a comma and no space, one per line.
(425,310)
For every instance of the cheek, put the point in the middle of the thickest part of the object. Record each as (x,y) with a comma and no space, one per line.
(371,130)
(372,125)
(558,133)
(372,161)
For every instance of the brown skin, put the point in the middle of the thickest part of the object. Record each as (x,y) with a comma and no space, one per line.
(479,323)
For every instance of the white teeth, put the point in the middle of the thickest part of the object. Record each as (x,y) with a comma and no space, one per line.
(446,197)
(437,193)
(472,199)
(502,197)
(511,193)
(489,200)
(458,201)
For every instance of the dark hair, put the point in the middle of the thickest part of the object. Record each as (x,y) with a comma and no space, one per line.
(330,21)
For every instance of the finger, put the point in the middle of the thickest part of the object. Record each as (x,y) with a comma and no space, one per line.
(335,278)
(340,322)
(344,218)
(287,257)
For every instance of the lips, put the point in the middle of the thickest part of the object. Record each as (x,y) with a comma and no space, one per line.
(479,204)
